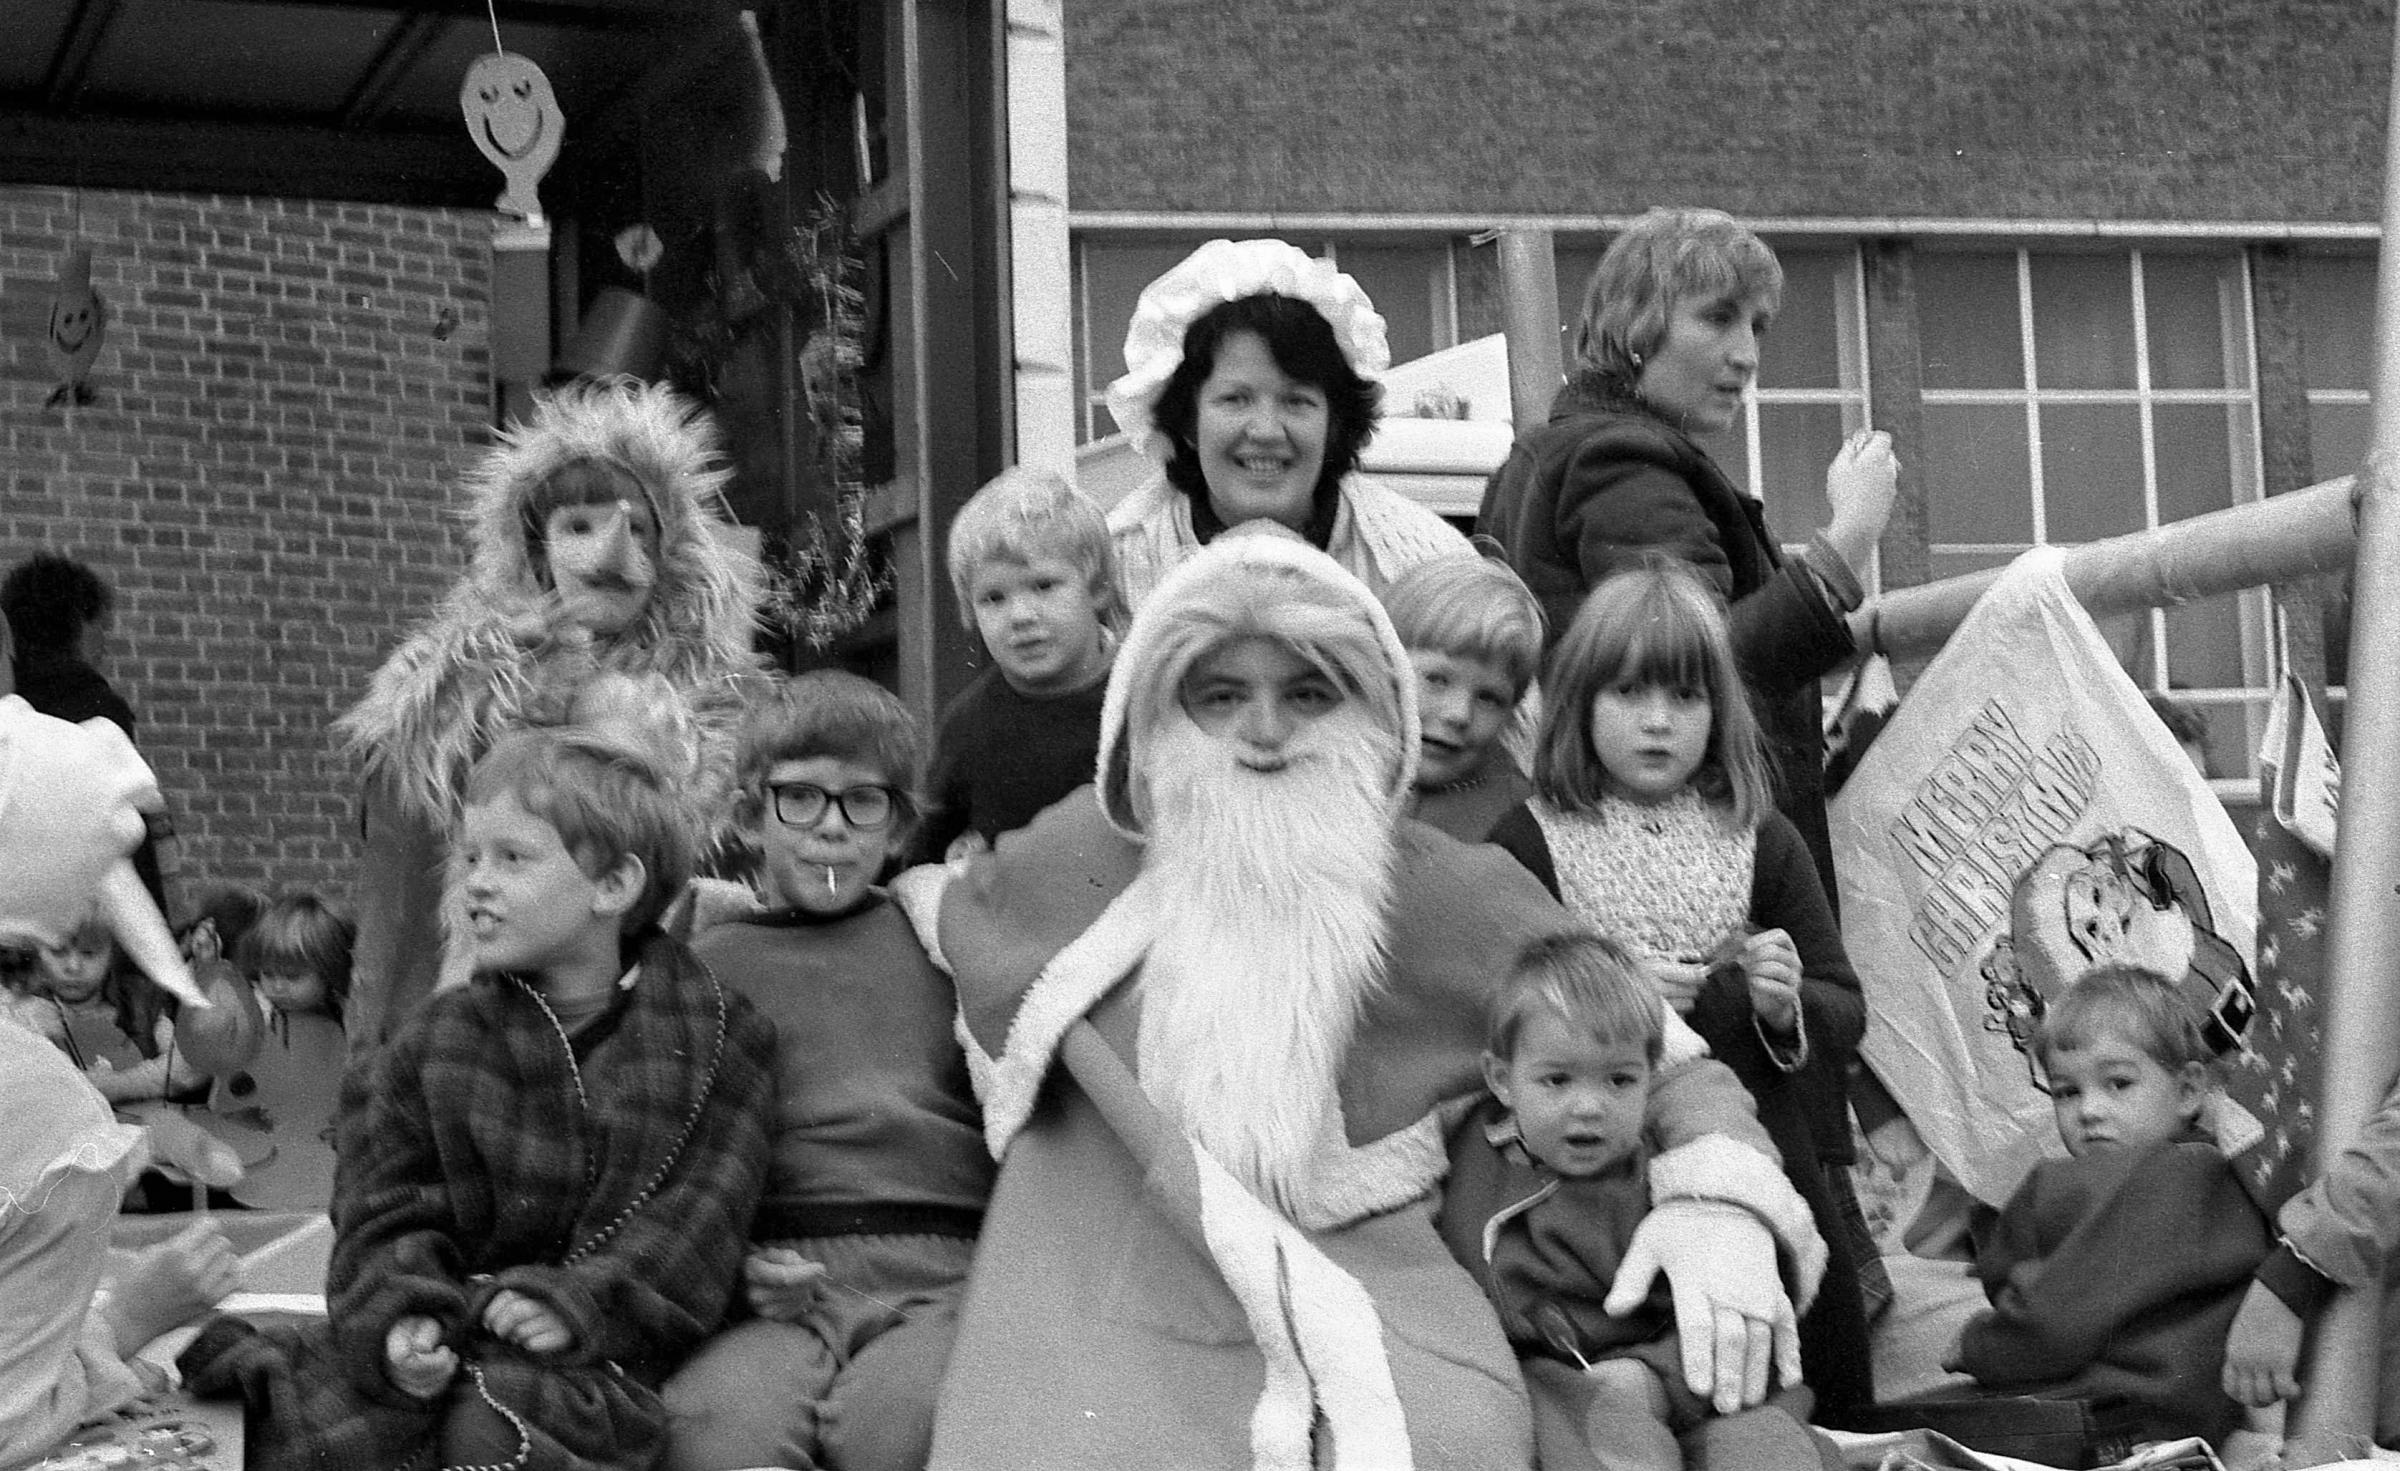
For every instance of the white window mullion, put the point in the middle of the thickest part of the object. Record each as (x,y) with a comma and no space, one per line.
(2141,388)
(2033,387)
(1087,412)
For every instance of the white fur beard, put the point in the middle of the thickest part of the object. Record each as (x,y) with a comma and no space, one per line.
(1273,889)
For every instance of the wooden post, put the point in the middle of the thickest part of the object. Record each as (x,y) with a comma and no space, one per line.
(2336,1414)
(1529,315)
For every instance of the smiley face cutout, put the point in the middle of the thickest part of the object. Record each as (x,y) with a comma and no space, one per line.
(514,119)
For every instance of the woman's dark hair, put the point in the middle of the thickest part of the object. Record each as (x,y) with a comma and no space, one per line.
(1301,342)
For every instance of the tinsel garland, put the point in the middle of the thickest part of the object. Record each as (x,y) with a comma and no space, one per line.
(826,581)
(829,581)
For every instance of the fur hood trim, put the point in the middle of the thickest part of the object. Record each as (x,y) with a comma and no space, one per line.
(1714,1167)
(494,655)
(1161,647)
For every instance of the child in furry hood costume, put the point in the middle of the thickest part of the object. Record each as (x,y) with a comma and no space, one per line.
(601,573)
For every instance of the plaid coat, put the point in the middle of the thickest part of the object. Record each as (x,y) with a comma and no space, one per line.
(473,1158)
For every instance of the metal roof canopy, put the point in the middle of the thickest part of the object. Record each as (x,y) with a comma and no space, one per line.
(320,99)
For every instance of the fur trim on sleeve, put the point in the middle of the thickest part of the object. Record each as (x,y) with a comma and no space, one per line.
(1713,1167)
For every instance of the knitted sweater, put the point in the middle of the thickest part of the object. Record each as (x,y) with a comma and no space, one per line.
(875,1128)
(1002,755)
(1468,811)
(2117,1275)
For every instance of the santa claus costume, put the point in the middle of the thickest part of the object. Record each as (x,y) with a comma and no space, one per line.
(507,648)
(1217,1022)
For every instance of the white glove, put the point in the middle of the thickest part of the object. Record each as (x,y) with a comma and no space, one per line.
(1730,1307)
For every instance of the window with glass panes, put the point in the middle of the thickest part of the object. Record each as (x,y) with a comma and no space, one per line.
(2337,325)
(1414,285)
(1811,391)
(2073,396)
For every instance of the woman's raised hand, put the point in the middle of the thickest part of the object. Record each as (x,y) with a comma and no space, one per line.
(1860,485)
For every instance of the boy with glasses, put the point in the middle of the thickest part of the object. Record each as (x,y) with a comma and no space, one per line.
(877,1186)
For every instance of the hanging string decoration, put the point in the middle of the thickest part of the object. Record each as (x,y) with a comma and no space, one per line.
(78,322)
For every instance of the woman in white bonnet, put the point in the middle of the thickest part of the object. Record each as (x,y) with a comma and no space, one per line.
(1251,373)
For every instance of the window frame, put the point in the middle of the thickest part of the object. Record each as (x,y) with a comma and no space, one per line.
(2255,608)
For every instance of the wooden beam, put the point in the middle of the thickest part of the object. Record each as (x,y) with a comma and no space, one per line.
(204,157)
(72,62)
(400,51)
(566,14)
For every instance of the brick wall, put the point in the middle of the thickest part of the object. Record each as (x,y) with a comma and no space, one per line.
(286,392)
(2100,109)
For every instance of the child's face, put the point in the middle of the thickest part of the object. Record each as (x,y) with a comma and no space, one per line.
(823,862)
(2109,1094)
(1041,620)
(602,561)
(530,906)
(1463,704)
(1578,1101)
(1650,738)
(292,992)
(201,943)
(75,971)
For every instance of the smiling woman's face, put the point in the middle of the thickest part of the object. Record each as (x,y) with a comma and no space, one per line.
(1260,435)
(1694,378)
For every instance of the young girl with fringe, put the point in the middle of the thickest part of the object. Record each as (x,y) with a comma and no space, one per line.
(295,963)
(113,1022)
(1654,822)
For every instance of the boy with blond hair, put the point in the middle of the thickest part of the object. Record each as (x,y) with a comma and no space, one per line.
(546,1176)
(876,1190)
(1036,580)
(1474,633)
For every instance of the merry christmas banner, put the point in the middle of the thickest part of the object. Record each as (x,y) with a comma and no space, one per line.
(2022,818)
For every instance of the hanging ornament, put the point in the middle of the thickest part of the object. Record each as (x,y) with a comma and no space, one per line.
(78,320)
(514,119)
(639,247)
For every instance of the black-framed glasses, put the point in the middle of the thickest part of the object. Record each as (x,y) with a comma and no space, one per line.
(800,803)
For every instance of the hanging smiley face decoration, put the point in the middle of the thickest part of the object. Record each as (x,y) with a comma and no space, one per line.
(513,117)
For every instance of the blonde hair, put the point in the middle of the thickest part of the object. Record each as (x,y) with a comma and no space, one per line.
(1586,980)
(1471,608)
(1657,624)
(1022,514)
(1666,257)
(2132,1004)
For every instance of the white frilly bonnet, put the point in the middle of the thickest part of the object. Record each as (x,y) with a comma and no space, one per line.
(1222,271)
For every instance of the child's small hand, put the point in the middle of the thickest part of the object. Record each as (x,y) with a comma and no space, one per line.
(419,1363)
(527,1322)
(780,1283)
(1677,982)
(1771,963)
(2262,1350)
